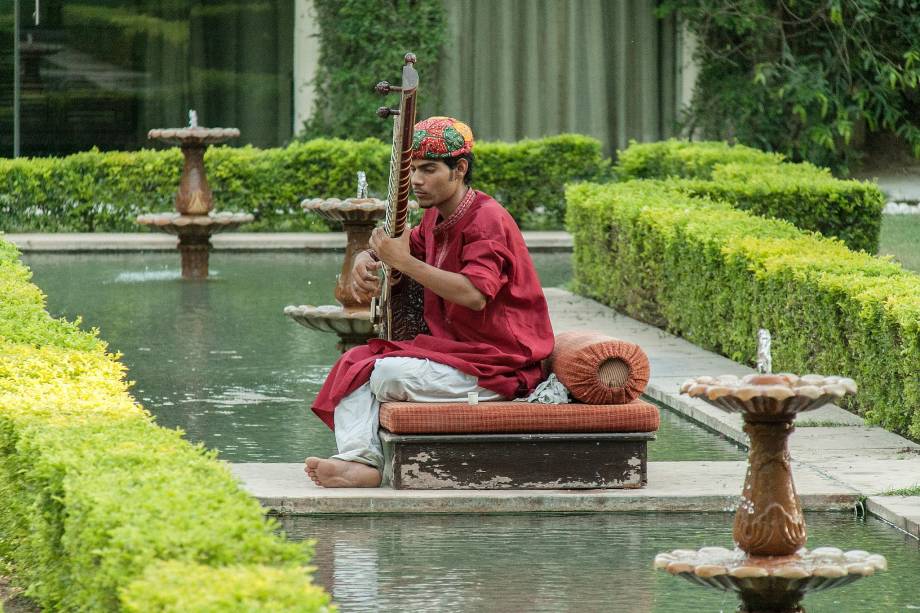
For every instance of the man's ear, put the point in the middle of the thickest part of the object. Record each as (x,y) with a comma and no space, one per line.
(462,165)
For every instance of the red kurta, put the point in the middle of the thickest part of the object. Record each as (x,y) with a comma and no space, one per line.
(503,344)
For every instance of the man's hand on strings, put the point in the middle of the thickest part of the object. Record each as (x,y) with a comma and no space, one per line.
(365,283)
(394,252)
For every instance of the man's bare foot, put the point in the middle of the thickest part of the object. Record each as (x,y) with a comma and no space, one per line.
(339,473)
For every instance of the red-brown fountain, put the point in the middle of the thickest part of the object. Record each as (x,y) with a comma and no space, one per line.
(770,569)
(349,319)
(194,220)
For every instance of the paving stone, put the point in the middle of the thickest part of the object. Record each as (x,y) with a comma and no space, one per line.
(673,486)
(902,512)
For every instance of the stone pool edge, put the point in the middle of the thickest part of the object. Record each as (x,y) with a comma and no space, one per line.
(124,242)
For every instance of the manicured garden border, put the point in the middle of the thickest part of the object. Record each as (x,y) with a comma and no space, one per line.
(103,509)
(763,184)
(104,192)
(715,274)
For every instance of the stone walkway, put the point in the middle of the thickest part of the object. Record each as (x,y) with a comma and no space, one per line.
(902,191)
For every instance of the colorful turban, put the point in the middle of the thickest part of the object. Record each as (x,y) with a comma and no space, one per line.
(437,138)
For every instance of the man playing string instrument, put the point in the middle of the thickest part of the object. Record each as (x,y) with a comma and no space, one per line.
(483,304)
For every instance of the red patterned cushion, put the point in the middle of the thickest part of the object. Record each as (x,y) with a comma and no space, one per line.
(523,417)
(599,369)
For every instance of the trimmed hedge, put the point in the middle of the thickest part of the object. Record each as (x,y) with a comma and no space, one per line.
(714,275)
(758,182)
(685,159)
(279,590)
(104,192)
(96,495)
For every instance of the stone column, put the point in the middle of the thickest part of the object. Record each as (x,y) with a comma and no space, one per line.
(769,521)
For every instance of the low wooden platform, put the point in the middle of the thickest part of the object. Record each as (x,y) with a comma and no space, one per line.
(515,461)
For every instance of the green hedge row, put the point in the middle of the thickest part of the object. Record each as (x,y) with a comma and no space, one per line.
(102,509)
(714,275)
(104,192)
(685,159)
(759,182)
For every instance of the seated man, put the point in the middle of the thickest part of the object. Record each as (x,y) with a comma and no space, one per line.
(488,320)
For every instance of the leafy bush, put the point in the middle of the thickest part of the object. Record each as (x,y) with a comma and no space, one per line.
(361,43)
(178,587)
(758,182)
(529,177)
(715,274)
(803,77)
(685,159)
(94,492)
(104,192)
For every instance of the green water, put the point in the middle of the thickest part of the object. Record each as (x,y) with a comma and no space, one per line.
(597,562)
(220,360)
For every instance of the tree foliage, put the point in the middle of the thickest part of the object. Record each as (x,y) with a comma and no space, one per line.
(362,42)
(805,77)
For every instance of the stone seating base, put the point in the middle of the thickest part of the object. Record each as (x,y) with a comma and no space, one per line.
(507,445)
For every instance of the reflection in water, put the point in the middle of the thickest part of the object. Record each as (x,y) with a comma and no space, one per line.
(220,360)
(589,562)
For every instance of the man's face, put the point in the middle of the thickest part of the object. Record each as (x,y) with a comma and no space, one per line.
(434,182)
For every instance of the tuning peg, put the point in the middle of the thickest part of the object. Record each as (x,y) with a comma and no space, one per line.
(383,88)
(410,58)
(386,111)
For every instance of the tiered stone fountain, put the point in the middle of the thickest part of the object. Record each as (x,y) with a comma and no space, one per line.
(194,220)
(769,569)
(349,319)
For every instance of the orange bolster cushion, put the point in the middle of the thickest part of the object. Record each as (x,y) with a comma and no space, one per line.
(520,417)
(599,369)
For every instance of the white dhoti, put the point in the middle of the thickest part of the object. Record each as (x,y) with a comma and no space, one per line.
(396,380)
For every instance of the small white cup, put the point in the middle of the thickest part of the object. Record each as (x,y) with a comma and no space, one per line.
(472,398)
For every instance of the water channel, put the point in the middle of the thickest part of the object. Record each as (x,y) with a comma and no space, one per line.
(219,360)
(591,562)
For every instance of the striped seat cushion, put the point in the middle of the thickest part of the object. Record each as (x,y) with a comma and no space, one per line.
(521,417)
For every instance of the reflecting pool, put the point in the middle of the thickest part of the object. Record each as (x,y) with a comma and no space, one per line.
(586,562)
(221,361)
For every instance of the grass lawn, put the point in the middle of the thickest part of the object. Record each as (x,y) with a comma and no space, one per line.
(901,238)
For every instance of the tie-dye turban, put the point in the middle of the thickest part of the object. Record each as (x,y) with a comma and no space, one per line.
(437,138)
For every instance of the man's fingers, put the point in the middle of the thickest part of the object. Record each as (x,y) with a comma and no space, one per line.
(367,284)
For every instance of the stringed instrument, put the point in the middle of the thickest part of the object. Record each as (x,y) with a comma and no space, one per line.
(398,312)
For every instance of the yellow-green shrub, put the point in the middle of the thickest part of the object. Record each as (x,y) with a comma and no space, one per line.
(715,274)
(685,159)
(177,587)
(104,192)
(94,492)
(758,182)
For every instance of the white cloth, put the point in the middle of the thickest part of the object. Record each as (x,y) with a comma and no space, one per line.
(551,391)
(398,379)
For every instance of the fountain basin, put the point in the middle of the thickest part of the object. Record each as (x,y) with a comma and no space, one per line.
(193,136)
(769,397)
(349,210)
(194,232)
(777,581)
(353,326)
(194,225)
